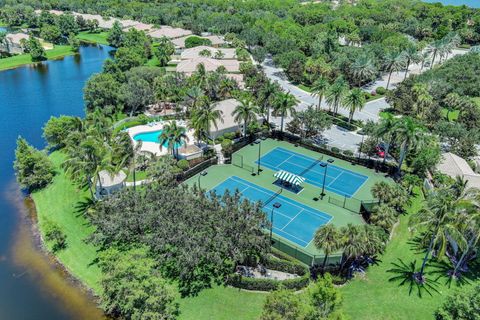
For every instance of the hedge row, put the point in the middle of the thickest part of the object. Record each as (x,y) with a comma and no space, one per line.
(268,284)
(280,262)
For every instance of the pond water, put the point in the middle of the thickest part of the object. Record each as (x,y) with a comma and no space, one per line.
(31,287)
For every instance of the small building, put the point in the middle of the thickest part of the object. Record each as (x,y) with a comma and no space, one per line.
(169,32)
(139,26)
(13,43)
(109,183)
(195,52)
(455,166)
(189,66)
(229,124)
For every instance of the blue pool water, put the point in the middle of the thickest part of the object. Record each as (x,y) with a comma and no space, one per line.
(151,136)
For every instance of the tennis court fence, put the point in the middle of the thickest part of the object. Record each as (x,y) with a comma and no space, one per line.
(237,160)
(352,204)
(301,254)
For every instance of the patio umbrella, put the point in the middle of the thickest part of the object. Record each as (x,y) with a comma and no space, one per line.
(289,177)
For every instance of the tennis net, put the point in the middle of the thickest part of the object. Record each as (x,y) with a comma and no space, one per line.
(312,165)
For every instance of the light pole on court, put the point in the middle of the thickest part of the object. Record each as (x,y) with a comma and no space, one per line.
(325,166)
(276,205)
(259,142)
(202,174)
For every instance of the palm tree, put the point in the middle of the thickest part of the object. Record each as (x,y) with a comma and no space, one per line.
(410,134)
(410,55)
(434,49)
(354,100)
(384,216)
(192,96)
(436,220)
(352,245)
(385,130)
(284,104)
(319,88)
(363,68)
(203,117)
(394,62)
(4,41)
(245,112)
(173,136)
(267,94)
(423,99)
(382,191)
(335,93)
(327,238)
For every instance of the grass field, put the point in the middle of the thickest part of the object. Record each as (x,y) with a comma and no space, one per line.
(59,203)
(341,216)
(374,297)
(24,59)
(100,38)
(222,303)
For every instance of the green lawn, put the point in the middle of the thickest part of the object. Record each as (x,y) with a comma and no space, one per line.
(23,59)
(305,88)
(59,203)
(139,175)
(374,297)
(222,303)
(87,36)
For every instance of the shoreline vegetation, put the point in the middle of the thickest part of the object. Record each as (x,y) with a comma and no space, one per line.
(58,52)
(79,257)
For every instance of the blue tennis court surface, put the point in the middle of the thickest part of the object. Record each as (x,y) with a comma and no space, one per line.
(338,180)
(293,221)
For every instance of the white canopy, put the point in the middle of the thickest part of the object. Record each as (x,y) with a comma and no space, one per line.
(289,177)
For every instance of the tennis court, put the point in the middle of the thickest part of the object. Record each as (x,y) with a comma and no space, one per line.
(339,180)
(292,220)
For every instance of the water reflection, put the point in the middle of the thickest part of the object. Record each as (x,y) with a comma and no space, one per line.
(43,268)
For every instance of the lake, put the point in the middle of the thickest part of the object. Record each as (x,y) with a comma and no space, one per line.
(470,3)
(31,287)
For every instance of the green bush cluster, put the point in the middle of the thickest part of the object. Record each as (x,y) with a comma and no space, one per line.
(381,90)
(279,262)
(55,236)
(195,41)
(183,164)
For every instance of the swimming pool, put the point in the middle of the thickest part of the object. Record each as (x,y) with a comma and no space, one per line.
(151,136)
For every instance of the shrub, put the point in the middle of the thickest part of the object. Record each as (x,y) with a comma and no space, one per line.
(33,168)
(227,147)
(55,236)
(335,150)
(280,262)
(231,135)
(381,90)
(183,164)
(195,41)
(348,153)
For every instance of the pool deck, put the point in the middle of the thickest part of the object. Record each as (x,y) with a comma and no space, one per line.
(154,147)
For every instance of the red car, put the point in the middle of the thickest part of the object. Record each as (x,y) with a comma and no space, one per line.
(380,151)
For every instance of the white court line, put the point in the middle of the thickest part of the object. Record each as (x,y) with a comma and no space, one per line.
(289,202)
(328,185)
(291,235)
(309,158)
(292,219)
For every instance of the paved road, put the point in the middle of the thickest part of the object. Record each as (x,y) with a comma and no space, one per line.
(335,136)
(370,111)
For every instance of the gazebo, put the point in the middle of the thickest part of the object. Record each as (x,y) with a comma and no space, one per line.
(289,181)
